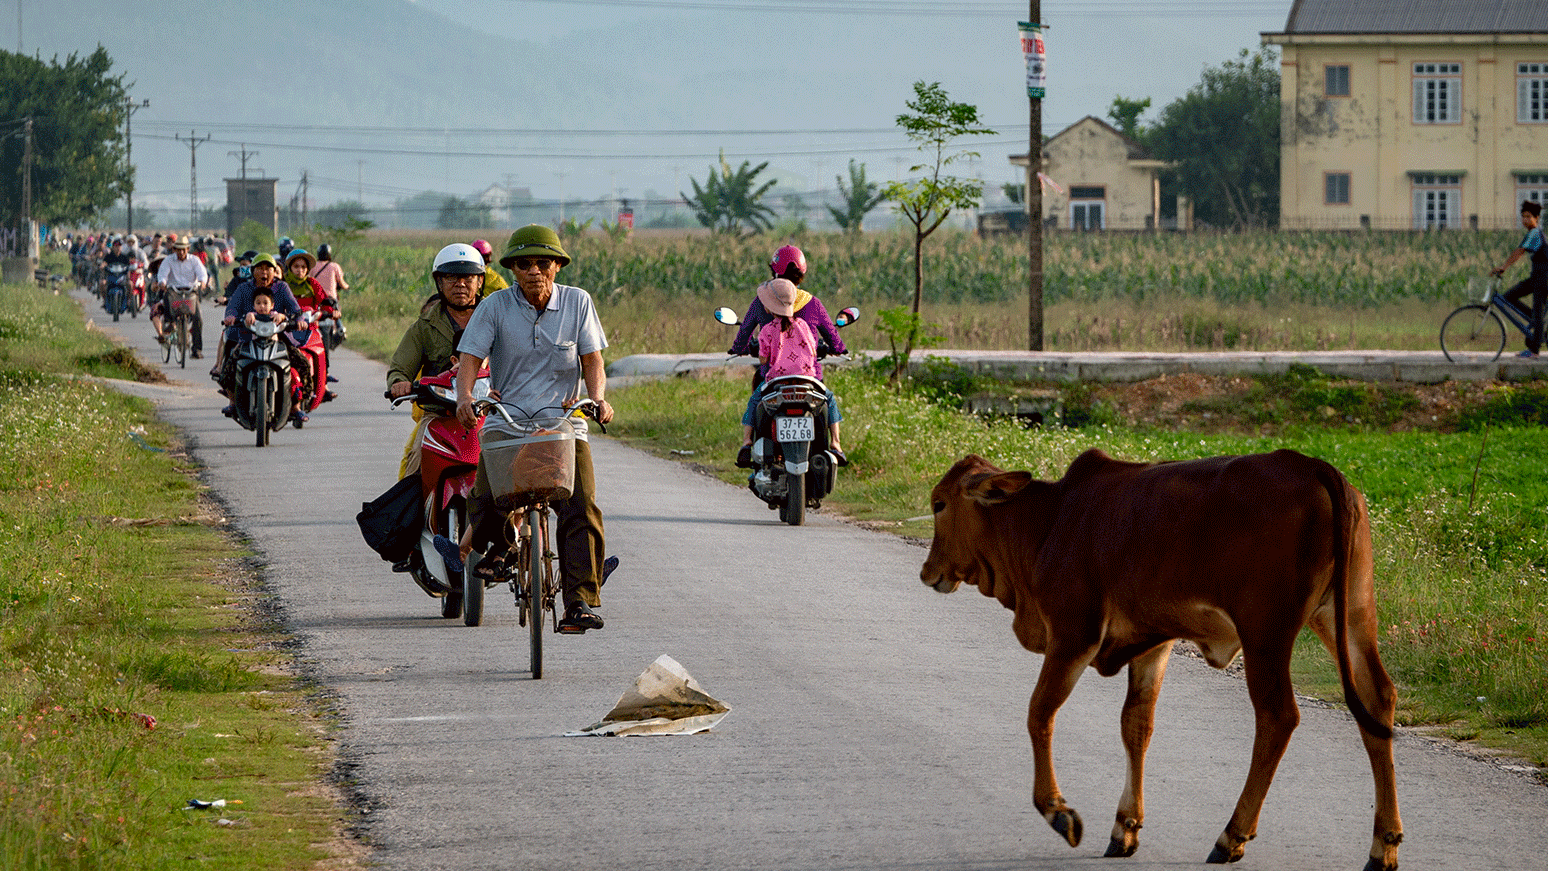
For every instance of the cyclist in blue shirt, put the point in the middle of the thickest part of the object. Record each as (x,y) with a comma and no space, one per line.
(1536,283)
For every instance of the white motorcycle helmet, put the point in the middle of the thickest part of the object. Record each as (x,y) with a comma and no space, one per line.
(457,259)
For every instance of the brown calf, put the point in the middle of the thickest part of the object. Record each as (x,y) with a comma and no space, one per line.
(1115,562)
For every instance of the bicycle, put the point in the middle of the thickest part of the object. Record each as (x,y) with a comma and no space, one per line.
(530,463)
(1476,332)
(180,308)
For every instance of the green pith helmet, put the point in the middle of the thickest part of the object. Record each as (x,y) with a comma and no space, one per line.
(534,240)
(266,260)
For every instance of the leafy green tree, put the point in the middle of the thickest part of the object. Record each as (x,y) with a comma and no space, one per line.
(1125,113)
(933,124)
(860,196)
(79,165)
(730,200)
(1223,138)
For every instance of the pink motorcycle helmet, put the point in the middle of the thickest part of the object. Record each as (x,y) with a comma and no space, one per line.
(484,249)
(786,257)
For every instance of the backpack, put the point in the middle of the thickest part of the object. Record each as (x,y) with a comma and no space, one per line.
(792,352)
(390,523)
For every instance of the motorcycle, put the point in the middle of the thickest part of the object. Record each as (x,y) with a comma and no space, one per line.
(311,391)
(261,399)
(448,465)
(136,289)
(115,297)
(792,467)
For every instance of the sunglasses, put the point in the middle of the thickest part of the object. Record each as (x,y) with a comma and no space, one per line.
(522,264)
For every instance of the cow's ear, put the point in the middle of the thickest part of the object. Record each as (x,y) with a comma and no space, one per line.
(996,488)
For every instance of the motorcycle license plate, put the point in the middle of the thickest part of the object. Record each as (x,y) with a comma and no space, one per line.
(793,429)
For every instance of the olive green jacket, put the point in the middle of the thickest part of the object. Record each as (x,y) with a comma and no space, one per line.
(426,348)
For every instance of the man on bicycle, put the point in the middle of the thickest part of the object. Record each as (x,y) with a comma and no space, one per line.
(1536,282)
(541,344)
(181,271)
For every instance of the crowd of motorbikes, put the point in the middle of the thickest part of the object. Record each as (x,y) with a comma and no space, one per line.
(279,370)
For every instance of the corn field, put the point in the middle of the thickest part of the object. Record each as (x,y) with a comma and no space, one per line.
(1256,291)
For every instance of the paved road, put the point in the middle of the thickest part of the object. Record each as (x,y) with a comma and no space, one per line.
(876,723)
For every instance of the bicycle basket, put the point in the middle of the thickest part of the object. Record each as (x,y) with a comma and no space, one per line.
(1482,288)
(184,301)
(530,461)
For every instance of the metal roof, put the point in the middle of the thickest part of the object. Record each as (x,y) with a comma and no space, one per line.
(1418,16)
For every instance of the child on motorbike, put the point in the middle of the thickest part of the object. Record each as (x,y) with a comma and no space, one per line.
(788,264)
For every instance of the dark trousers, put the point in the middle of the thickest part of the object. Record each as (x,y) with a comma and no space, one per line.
(579,535)
(1537,286)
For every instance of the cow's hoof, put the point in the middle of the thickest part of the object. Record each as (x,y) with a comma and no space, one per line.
(1067,823)
(1117,849)
(1222,854)
(1377,864)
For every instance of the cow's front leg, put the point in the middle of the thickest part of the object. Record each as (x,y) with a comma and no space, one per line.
(1139,712)
(1054,684)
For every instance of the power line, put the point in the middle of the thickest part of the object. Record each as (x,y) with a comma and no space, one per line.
(1076,8)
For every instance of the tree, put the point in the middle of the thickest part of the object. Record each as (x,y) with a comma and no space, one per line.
(459,214)
(79,165)
(934,123)
(1125,113)
(730,200)
(860,196)
(1223,139)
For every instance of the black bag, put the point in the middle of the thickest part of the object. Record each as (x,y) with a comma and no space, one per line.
(391,522)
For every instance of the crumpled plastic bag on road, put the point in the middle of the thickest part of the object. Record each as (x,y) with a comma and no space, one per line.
(665,700)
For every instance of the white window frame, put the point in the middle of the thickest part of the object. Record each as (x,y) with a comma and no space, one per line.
(1532,187)
(1437,201)
(1328,74)
(1086,206)
(1348,191)
(1437,93)
(1532,93)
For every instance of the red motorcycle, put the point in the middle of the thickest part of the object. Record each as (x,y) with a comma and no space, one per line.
(311,390)
(136,288)
(448,463)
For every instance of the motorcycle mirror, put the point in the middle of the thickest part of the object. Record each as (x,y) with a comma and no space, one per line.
(727,316)
(847,316)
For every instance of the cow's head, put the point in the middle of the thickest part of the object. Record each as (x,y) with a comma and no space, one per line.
(963,504)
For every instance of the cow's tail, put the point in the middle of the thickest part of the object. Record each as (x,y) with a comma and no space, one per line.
(1346,520)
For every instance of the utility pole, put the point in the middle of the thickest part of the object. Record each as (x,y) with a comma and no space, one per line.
(130,107)
(1032,48)
(27,175)
(193,175)
(303,201)
(244,156)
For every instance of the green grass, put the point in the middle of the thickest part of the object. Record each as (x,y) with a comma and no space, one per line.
(120,607)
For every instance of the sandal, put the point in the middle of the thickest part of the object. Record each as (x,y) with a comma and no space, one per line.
(491,569)
(578,617)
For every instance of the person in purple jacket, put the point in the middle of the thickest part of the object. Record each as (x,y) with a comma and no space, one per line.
(790,264)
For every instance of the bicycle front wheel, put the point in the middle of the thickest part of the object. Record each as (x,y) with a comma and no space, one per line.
(1473,334)
(537,535)
(182,341)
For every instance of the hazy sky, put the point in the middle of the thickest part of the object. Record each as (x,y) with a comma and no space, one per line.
(804,84)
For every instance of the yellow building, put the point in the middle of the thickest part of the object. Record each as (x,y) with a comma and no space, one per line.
(1412,115)
(1099,179)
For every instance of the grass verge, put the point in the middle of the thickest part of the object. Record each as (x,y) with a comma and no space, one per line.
(137,673)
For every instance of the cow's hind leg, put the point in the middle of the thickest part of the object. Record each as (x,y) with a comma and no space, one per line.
(1273,701)
(1139,713)
(1055,682)
(1375,690)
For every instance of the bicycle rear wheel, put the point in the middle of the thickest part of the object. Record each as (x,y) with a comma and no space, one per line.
(537,543)
(1473,334)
